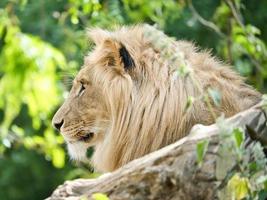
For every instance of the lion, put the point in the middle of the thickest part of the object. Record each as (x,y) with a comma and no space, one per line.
(130,97)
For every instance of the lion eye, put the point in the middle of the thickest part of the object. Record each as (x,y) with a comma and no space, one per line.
(81,89)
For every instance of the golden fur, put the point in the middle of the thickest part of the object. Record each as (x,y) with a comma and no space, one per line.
(131,112)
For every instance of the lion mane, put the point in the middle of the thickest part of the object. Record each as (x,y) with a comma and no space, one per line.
(155,89)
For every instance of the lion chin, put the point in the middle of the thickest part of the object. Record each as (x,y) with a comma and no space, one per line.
(77,150)
(131,96)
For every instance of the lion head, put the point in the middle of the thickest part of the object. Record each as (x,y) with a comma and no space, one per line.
(128,99)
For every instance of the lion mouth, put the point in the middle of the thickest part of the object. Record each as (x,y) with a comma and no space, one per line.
(87,137)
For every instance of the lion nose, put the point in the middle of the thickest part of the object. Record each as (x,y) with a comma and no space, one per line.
(58,125)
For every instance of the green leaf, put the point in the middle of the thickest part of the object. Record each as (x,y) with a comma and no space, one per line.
(18,130)
(215,95)
(58,157)
(189,102)
(202,147)
(183,70)
(100,196)
(74,19)
(262,195)
(243,67)
(238,136)
(253,30)
(252,166)
(238,187)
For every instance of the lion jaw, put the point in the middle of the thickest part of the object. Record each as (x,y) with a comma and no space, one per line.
(77,150)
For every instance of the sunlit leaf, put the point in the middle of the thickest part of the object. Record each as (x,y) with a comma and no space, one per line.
(100,196)
(18,130)
(30,78)
(238,136)
(58,157)
(189,102)
(202,148)
(238,187)
(215,95)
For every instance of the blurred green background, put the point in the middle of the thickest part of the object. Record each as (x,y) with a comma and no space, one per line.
(42,44)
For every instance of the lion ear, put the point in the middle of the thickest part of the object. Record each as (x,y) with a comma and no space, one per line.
(126,58)
(119,55)
(97,35)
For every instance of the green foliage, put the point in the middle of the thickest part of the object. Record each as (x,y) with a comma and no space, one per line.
(29,78)
(42,44)
(100,196)
(202,148)
(238,187)
(215,96)
(245,174)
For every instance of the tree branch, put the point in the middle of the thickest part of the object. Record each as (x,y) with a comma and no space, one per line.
(205,22)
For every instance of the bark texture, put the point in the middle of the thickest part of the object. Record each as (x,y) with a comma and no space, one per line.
(171,172)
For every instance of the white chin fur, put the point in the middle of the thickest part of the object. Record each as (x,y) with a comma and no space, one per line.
(77,151)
